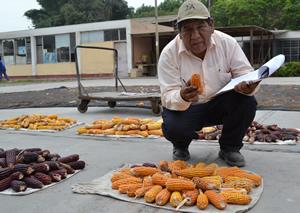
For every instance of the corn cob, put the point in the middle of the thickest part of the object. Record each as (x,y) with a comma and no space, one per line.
(201,164)
(18,186)
(157,132)
(196,82)
(227,171)
(202,201)
(236,198)
(142,171)
(142,191)
(10,157)
(235,178)
(190,196)
(164,166)
(178,165)
(239,184)
(163,197)
(132,189)
(203,184)
(254,177)
(123,189)
(216,199)
(116,184)
(214,166)
(69,158)
(175,184)
(125,170)
(175,199)
(195,172)
(153,126)
(215,180)
(147,181)
(160,178)
(239,190)
(152,193)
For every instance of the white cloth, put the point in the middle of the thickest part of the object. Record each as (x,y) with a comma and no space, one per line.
(224,60)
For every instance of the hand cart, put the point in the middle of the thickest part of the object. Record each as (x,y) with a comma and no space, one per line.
(112,97)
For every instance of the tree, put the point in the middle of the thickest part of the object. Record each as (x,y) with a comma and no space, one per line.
(65,12)
(270,14)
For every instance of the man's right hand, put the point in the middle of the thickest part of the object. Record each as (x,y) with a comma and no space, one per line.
(189,93)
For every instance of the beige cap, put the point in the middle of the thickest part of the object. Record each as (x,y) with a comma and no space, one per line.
(192,9)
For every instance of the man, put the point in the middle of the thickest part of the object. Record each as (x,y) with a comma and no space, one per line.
(217,58)
(3,70)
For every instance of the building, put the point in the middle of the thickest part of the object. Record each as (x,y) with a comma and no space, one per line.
(50,52)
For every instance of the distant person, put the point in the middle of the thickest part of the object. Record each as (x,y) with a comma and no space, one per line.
(216,58)
(3,70)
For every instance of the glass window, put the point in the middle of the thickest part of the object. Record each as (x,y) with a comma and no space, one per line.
(62,43)
(122,34)
(20,51)
(90,37)
(111,35)
(8,51)
(28,50)
(49,53)
(72,46)
(39,49)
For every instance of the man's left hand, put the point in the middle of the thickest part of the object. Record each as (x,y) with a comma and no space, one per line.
(246,87)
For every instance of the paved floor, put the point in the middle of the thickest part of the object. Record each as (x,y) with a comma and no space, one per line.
(111,82)
(279,165)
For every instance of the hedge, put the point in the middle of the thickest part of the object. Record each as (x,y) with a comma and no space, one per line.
(290,69)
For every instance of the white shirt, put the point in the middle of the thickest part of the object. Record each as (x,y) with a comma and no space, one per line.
(224,60)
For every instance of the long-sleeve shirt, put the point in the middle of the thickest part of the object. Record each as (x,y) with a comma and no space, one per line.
(224,60)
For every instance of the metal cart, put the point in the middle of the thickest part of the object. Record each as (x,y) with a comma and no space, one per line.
(112,97)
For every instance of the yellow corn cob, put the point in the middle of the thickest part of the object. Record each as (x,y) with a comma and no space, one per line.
(236,198)
(190,196)
(202,201)
(201,164)
(107,125)
(160,178)
(117,120)
(132,132)
(209,129)
(157,132)
(152,193)
(110,131)
(125,170)
(214,166)
(175,199)
(235,178)
(254,177)
(239,190)
(147,181)
(118,176)
(142,171)
(146,120)
(163,165)
(176,184)
(120,132)
(142,191)
(52,116)
(216,180)
(143,133)
(143,127)
(81,130)
(204,184)
(123,188)
(163,197)
(153,126)
(227,171)
(131,121)
(248,185)
(195,172)
(178,165)
(132,189)
(116,184)
(216,199)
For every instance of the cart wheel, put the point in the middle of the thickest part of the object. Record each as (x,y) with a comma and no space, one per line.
(83,106)
(156,107)
(111,104)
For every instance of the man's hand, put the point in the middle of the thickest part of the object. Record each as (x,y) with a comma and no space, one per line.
(189,93)
(246,87)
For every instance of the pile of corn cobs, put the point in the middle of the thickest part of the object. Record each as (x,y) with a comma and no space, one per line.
(177,183)
(256,132)
(34,168)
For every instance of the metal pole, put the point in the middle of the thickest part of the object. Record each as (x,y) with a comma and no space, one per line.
(208,5)
(156,37)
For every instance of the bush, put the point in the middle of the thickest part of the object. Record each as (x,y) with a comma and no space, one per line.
(290,69)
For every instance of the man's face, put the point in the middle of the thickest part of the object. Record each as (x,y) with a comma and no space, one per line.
(196,35)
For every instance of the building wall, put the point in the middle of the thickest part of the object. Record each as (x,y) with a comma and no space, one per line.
(56,69)
(142,46)
(18,70)
(95,61)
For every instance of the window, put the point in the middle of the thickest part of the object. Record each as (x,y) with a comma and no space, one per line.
(290,48)
(72,46)
(49,53)
(62,44)
(28,50)
(20,51)
(8,51)
(122,34)
(90,37)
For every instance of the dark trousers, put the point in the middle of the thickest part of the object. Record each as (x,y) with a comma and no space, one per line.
(5,75)
(231,109)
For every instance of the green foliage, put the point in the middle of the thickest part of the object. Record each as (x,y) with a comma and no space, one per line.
(270,14)
(66,12)
(291,69)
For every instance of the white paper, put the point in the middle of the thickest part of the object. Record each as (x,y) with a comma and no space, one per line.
(257,75)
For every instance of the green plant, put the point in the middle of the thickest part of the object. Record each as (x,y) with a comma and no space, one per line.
(290,69)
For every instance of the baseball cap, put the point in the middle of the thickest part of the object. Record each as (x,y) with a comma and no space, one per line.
(192,9)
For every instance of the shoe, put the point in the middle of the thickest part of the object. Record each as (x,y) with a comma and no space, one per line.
(181,154)
(233,158)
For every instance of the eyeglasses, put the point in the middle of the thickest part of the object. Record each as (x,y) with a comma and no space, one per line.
(201,29)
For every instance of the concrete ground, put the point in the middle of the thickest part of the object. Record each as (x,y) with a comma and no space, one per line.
(279,165)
